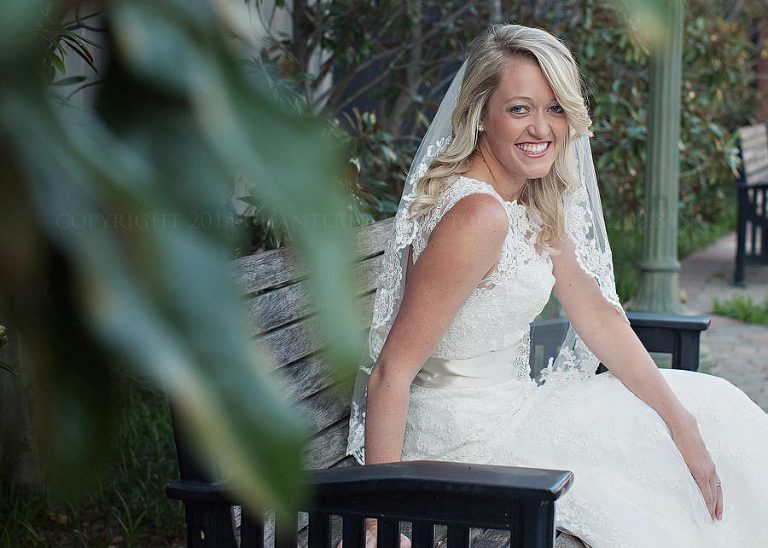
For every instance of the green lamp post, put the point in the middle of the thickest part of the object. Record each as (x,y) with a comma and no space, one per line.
(659,289)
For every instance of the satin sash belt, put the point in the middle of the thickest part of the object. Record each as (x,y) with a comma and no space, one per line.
(490,368)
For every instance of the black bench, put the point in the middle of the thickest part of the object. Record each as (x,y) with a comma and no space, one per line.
(752,225)
(491,506)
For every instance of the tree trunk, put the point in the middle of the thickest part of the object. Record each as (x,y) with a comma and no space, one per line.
(20,453)
(413,77)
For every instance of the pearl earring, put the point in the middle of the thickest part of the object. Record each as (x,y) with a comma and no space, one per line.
(480,127)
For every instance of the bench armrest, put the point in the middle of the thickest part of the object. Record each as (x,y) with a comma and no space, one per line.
(444,492)
(669,333)
(674,334)
(422,492)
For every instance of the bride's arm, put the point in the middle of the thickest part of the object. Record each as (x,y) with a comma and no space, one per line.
(611,339)
(462,248)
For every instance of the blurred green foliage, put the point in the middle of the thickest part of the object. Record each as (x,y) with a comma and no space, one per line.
(120,248)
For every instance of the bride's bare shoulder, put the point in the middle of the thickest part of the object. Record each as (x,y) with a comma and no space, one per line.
(476,218)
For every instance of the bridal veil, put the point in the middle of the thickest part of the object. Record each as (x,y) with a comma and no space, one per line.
(584,225)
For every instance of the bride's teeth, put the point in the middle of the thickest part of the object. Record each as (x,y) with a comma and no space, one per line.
(535,149)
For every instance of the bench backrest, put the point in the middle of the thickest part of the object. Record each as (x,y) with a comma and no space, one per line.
(754,153)
(282,317)
(752,220)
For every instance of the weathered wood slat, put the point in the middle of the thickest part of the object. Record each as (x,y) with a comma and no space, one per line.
(490,538)
(749,132)
(305,377)
(280,266)
(292,342)
(327,407)
(346,461)
(328,448)
(272,309)
(760,137)
(758,177)
(300,339)
(757,164)
(754,150)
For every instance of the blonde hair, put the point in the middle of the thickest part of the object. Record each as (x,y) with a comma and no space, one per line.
(489,54)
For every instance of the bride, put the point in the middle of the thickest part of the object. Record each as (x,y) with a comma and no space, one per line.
(500,210)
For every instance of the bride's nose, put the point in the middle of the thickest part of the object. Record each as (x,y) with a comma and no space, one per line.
(539,127)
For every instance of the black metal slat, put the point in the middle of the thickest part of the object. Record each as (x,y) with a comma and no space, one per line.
(285,533)
(353,531)
(387,534)
(251,531)
(741,236)
(319,530)
(764,225)
(423,534)
(458,536)
(752,224)
(537,526)
(516,531)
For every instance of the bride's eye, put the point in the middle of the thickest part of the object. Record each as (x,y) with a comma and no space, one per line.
(558,109)
(517,109)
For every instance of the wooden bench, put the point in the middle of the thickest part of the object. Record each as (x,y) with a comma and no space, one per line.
(752,224)
(489,505)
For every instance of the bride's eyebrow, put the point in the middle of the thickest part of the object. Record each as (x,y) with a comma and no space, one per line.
(529,99)
(519,97)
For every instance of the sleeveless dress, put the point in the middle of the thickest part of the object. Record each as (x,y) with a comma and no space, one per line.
(474,401)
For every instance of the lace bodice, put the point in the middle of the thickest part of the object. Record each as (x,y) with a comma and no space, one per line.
(499,310)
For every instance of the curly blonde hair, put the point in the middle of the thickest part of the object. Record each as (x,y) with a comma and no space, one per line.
(489,54)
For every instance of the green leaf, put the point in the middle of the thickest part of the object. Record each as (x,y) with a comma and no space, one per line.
(68,81)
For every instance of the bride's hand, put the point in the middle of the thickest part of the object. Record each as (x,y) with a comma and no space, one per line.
(371,530)
(699,462)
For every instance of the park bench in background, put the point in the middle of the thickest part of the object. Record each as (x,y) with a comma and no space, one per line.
(752,225)
(492,506)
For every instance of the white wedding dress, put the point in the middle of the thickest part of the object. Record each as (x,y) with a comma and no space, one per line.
(474,401)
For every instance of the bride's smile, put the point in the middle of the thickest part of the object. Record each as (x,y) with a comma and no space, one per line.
(524,125)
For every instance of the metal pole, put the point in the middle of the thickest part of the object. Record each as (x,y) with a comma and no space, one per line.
(659,289)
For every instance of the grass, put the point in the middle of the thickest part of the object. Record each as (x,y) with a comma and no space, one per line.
(742,309)
(126,507)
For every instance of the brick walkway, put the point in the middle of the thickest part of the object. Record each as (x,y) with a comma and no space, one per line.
(730,349)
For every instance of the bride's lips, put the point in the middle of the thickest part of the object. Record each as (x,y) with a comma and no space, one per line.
(531,154)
